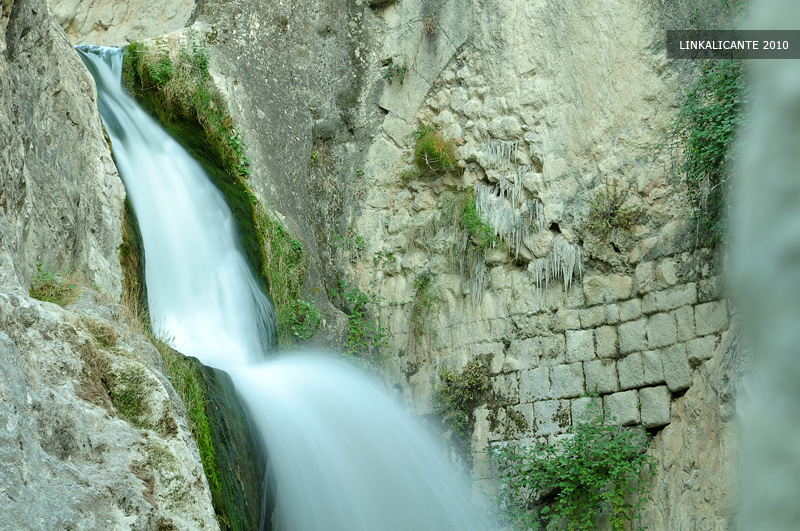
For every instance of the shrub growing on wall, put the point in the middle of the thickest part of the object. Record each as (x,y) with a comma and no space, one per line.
(596,467)
(705,130)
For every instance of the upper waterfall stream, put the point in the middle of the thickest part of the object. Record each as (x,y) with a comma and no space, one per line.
(342,454)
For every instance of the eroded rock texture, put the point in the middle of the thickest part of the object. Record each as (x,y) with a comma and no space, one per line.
(93,435)
(548,104)
(115,23)
(60,197)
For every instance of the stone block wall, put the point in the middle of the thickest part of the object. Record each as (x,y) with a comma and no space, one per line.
(636,348)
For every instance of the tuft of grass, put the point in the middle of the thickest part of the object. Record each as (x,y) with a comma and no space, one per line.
(128,394)
(52,286)
(183,85)
(365,334)
(607,212)
(284,267)
(461,212)
(432,151)
(423,305)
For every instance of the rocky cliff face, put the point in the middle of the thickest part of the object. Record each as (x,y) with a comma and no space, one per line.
(118,23)
(94,436)
(548,105)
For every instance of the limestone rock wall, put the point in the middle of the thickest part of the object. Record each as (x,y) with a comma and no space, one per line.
(94,436)
(115,23)
(548,103)
(60,196)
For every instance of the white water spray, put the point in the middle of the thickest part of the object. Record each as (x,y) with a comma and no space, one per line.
(343,456)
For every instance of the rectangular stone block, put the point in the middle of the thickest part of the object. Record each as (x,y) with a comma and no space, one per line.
(656,403)
(662,330)
(702,348)
(622,408)
(633,336)
(649,303)
(685,317)
(677,372)
(583,411)
(711,289)
(631,371)
(666,273)
(522,354)
(612,314)
(494,353)
(630,310)
(566,319)
(513,422)
(592,317)
(580,345)
(606,341)
(606,288)
(505,388)
(551,417)
(645,277)
(672,298)
(601,376)
(519,420)
(653,369)
(710,317)
(553,349)
(534,384)
(566,381)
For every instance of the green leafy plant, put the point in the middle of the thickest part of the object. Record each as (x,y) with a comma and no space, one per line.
(364,333)
(303,318)
(423,305)
(459,393)
(382,259)
(55,287)
(394,71)
(704,131)
(351,244)
(607,212)
(432,151)
(596,467)
(461,211)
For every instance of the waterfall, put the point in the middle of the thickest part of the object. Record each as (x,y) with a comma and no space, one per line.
(342,454)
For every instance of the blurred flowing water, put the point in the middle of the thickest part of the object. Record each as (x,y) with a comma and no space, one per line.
(342,454)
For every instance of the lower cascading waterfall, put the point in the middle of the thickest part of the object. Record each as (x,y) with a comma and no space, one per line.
(342,454)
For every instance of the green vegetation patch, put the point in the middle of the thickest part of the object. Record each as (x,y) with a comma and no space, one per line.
(608,212)
(51,286)
(432,151)
(596,467)
(460,393)
(423,305)
(365,334)
(461,213)
(704,132)
(190,386)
